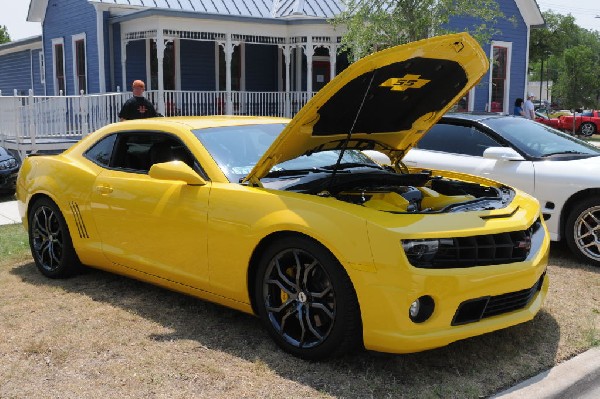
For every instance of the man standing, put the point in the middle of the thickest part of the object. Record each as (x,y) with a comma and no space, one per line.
(528,107)
(137,107)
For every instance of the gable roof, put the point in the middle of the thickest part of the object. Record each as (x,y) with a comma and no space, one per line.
(257,8)
(250,8)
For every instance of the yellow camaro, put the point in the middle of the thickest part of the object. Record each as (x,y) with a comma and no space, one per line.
(289,220)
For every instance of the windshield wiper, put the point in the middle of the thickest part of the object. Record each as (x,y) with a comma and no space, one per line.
(348,165)
(295,172)
(565,153)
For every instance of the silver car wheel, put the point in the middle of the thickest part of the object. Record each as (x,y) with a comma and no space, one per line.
(586,232)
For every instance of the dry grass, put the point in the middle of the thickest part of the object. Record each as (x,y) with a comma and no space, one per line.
(100,335)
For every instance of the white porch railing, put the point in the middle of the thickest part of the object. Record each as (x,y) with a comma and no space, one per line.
(33,123)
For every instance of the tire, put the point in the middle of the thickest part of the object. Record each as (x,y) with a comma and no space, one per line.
(587,129)
(582,231)
(50,241)
(299,277)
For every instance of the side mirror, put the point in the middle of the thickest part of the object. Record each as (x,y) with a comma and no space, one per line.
(502,154)
(176,170)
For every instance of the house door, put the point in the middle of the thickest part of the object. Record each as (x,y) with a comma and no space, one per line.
(321,74)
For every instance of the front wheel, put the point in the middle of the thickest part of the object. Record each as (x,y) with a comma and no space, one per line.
(306,300)
(587,129)
(582,231)
(50,241)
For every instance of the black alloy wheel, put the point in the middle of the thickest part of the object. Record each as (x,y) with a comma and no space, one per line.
(582,231)
(50,242)
(306,300)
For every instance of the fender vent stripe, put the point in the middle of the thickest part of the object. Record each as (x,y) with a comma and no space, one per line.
(78,220)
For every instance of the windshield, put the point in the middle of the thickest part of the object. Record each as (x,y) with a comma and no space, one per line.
(538,140)
(236,149)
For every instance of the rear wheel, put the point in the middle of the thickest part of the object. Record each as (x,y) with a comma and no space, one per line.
(50,241)
(587,129)
(306,300)
(583,231)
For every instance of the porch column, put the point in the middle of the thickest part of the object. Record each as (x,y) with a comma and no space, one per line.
(160,56)
(228,47)
(124,63)
(286,49)
(100,33)
(309,50)
(332,59)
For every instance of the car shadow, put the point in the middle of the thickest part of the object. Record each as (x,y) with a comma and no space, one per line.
(509,355)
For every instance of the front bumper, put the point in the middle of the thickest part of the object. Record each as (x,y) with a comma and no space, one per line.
(514,292)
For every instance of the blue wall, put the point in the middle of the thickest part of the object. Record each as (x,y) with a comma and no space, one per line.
(136,63)
(261,67)
(513,30)
(64,19)
(197,65)
(15,73)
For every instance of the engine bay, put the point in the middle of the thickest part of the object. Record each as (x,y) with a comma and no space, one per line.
(388,191)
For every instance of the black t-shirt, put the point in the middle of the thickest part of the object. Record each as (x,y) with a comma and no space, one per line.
(137,108)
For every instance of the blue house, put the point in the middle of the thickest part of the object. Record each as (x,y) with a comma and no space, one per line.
(218,56)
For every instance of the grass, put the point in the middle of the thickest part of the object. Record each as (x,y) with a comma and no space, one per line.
(102,335)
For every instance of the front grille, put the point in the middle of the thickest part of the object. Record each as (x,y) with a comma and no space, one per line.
(482,250)
(476,309)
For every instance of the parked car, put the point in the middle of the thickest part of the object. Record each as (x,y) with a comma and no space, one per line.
(9,167)
(288,220)
(586,123)
(546,120)
(561,171)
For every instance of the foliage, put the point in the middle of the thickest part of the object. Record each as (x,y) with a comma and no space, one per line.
(376,24)
(13,242)
(568,54)
(578,81)
(4,36)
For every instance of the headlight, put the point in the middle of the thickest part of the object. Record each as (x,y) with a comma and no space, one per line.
(8,164)
(422,252)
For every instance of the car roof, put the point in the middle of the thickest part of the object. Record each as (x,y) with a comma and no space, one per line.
(476,116)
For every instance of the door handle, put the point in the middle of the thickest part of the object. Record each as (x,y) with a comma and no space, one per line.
(104,189)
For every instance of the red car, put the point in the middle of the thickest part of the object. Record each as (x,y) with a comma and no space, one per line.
(543,118)
(586,123)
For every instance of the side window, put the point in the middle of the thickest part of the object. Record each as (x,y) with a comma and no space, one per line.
(456,139)
(138,151)
(101,152)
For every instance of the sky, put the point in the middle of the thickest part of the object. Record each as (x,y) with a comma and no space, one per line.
(14,15)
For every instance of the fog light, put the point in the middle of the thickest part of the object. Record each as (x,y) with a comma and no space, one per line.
(414,309)
(421,309)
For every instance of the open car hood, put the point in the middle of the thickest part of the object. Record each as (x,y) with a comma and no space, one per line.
(385,101)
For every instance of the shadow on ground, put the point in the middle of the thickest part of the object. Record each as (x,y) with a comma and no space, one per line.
(475,367)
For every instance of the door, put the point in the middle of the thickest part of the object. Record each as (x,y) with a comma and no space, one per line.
(151,225)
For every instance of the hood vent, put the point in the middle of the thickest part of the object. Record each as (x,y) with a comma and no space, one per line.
(78,220)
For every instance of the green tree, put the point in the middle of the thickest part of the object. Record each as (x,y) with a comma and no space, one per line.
(376,24)
(578,82)
(4,36)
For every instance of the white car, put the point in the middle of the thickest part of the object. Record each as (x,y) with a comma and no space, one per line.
(561,171)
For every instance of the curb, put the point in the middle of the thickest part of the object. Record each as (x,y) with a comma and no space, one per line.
(570,379)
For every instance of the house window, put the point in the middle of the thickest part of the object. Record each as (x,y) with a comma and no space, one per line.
(59,66)
(236,69)
(42,68)
(79,63)
(168,66)
(500,77)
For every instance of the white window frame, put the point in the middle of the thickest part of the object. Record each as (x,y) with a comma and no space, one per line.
(74,40)
(42,67)
(56,41)
(506,99)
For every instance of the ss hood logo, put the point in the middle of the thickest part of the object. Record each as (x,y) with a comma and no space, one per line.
(405,83)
